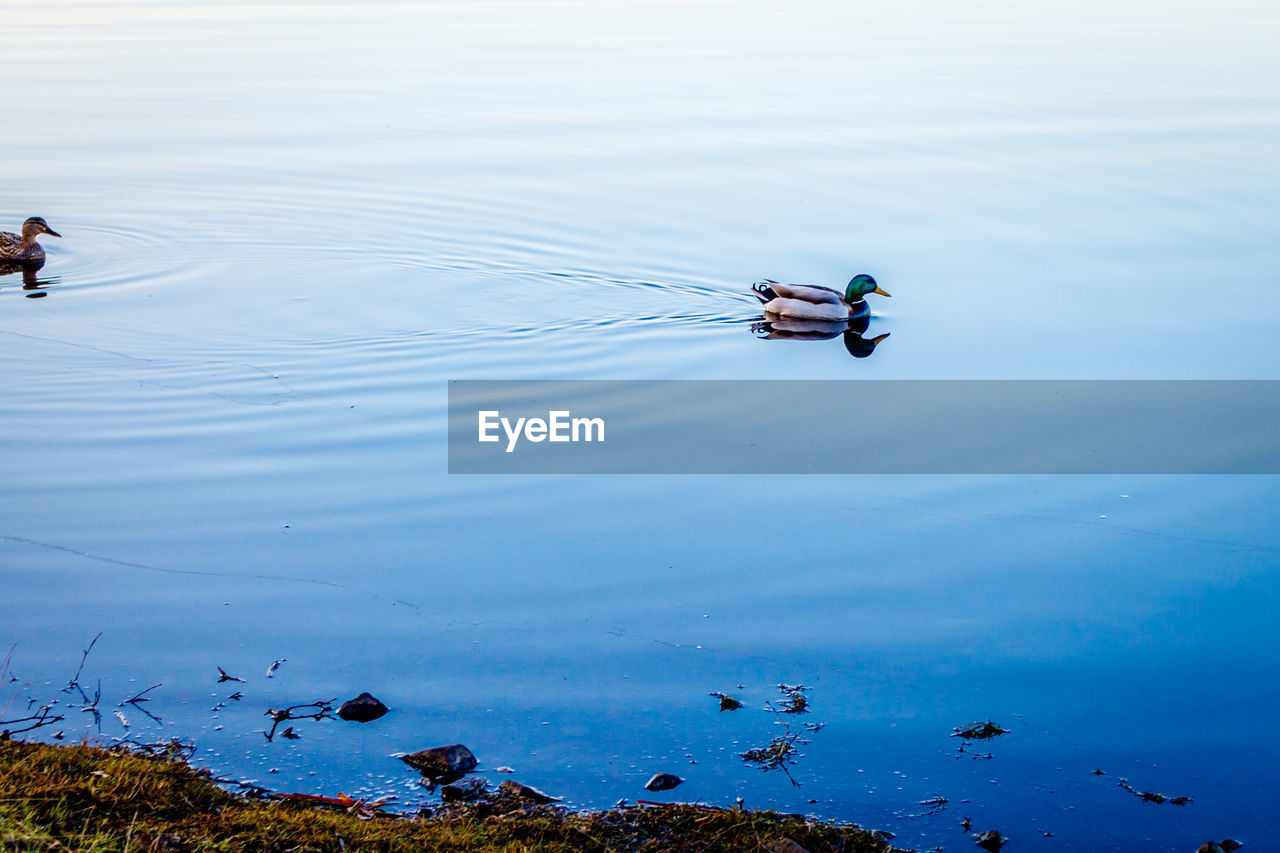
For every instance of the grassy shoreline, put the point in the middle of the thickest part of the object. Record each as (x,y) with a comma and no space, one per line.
(89,798)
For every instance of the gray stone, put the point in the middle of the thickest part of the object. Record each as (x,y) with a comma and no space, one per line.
(442,763)
(663,782)
(465,792)
(513,788)
(990,840)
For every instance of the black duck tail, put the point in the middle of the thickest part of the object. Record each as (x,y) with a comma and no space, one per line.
(763,291)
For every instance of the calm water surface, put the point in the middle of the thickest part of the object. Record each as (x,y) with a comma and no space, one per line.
(287,226)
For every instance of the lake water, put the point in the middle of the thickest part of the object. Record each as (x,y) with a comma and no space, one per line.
(287,226)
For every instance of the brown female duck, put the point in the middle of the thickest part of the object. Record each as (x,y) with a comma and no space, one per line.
(25,248)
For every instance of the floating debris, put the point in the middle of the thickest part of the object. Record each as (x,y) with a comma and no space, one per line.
(290,734)
(663,782)
(271,670)
(1153,797)
(727,703)
(321,710)
(990,840)
(140,697)
(362,709)
(979,731)
(224,676)
(777,754)
(796,701)
(505,769)
(933,806)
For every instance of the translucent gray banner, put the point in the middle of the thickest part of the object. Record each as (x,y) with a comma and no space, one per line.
(864,427)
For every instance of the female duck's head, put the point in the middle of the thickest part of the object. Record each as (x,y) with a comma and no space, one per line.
(35,226)
(859,286)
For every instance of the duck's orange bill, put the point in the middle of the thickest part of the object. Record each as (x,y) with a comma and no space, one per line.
(879,291)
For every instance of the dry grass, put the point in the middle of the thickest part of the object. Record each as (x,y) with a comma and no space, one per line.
(86,798)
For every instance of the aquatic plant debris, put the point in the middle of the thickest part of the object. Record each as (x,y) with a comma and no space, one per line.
(933,806)
(781,752)
(1153,797)
(796,701)
(979,731)
(727,703)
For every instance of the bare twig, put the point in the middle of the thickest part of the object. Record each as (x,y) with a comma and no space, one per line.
(140,697)
(74,683)
(223,676)
(322,710)
(43,717)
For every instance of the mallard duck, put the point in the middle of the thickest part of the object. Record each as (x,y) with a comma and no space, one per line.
(810,302)
(25,248)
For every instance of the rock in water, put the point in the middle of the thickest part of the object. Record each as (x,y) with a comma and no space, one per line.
(990,840)
(469,791)
(662,782)
(513,788)
(1227,845)
(362,709)
(442,763)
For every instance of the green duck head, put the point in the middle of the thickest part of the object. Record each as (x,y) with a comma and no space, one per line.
(859,286)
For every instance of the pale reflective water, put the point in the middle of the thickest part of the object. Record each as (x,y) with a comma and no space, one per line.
(287,226)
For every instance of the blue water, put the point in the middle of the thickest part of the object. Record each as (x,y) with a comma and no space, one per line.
(286,227)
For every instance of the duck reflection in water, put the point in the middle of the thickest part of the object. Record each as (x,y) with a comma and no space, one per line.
(776,328)
(28,269)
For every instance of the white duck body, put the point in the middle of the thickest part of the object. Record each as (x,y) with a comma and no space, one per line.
(806,301)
